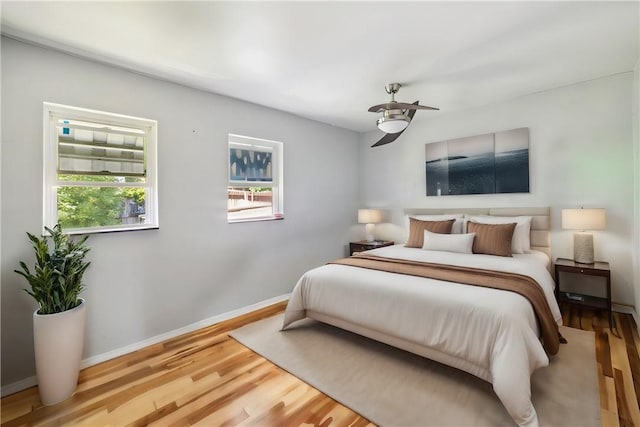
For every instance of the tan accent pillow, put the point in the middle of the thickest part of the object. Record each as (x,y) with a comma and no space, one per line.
(417,227)
(492,239)
(520,243)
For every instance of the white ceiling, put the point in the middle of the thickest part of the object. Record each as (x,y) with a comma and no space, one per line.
(329,61)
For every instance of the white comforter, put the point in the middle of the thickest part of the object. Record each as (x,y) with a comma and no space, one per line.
(489,333)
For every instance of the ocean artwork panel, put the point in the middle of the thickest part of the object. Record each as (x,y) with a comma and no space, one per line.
(483,164)
(512,161)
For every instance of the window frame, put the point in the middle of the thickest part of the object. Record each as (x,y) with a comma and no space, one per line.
(277,175)
(52,113)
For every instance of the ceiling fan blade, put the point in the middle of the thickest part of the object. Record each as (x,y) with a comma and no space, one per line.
(415,106)
(412,112)
(387,138)
(390,137)
(379,107)
(399,106)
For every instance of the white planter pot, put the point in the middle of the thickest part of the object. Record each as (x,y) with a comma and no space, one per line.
(58,340)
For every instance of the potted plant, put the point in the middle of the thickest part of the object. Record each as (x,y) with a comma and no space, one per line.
(58,323)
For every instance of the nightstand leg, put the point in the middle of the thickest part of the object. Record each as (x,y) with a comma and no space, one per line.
(612,325)
(580,317)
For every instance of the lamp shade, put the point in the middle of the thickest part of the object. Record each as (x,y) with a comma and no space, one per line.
(583,219)
(393,123)
(369,216)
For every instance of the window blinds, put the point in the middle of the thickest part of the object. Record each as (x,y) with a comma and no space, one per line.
(96,149)
(250,159)
(250,164)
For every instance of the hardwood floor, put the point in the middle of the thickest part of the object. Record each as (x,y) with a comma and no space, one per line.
(207,378)
(618,364)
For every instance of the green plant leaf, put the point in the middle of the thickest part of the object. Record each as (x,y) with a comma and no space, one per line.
(56,281)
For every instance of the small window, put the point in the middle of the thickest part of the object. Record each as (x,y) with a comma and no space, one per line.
(100,170)
(254,190)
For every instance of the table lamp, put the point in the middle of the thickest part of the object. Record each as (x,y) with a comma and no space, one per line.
(369,217)
(583,219)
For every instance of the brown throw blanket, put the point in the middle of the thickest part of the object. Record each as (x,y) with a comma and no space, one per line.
(518,283)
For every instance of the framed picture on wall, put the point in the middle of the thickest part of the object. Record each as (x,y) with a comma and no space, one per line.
(483,164)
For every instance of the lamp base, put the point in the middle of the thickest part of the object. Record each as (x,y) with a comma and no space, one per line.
(369,231)
(583,248)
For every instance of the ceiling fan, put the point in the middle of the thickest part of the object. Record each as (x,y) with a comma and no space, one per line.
(396,116)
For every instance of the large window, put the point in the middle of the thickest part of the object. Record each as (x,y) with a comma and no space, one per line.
(100,170)
(254,190)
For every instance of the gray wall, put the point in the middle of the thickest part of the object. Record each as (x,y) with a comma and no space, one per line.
(581,154)
(145,283)
(636,197)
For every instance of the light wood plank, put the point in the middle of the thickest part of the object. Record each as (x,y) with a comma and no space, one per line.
(628,409)
(626,328)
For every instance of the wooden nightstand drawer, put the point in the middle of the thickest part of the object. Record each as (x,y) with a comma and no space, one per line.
(363,245)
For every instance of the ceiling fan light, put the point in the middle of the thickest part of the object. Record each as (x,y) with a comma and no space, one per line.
(393,123)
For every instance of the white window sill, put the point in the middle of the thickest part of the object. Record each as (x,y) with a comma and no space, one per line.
(269,218)
(111,229)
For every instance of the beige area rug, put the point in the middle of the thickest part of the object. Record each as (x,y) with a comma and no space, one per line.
(391,387)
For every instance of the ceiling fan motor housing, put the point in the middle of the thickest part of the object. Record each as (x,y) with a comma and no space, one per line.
(392,88)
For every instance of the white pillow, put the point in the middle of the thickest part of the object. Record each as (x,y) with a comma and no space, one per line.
(521,241)
(459,243)
(456,228)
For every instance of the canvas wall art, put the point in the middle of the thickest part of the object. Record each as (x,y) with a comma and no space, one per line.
(483,164)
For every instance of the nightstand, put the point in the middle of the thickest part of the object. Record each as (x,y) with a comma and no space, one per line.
(363,245)
(579,300)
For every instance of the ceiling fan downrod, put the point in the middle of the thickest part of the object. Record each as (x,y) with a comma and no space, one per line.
(392,89)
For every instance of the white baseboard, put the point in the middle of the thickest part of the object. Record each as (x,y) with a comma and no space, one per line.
(623,308)
(19,386)
(94,360)
(628,309)
(637,319)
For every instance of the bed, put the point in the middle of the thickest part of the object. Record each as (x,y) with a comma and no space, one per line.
(491,333)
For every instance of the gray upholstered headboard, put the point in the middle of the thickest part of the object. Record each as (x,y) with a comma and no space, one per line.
(540,223)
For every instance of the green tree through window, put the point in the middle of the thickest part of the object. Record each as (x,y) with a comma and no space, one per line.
(96,206)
